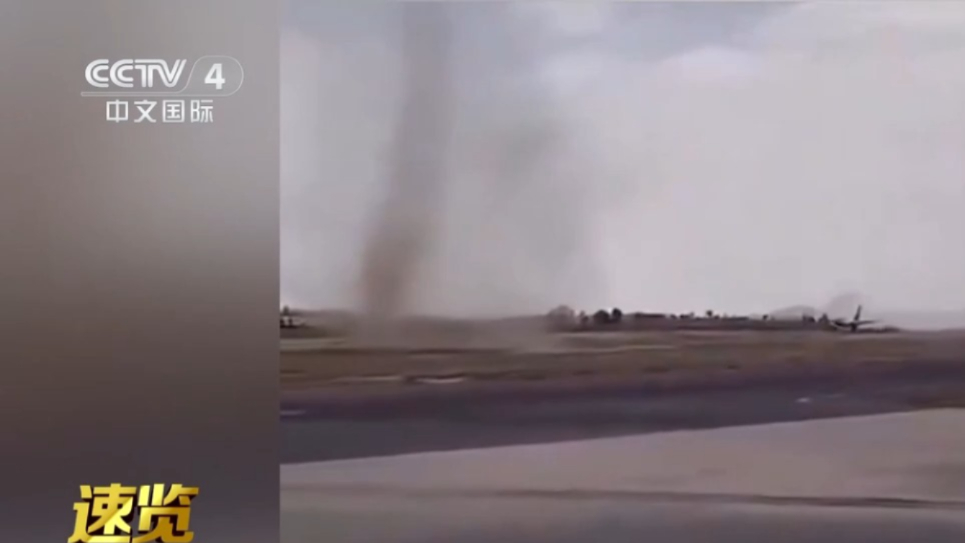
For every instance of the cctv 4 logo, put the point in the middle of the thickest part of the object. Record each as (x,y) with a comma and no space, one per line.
(103,74)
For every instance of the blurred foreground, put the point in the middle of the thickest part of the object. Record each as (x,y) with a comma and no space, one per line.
(881,479)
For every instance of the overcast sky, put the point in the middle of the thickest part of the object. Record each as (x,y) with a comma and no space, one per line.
(740,157)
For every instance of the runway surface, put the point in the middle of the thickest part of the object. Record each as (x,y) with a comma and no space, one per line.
(332,425)
(884,478)
(628,462)
(509,520)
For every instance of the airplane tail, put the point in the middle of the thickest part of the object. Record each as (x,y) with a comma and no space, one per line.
(857,314)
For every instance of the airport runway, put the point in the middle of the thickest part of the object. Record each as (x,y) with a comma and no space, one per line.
(331,425)
(876,479)
(883,478)
(507,520)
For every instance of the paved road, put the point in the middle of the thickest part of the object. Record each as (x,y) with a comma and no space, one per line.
(326,426)
(884,478)
(519,520)
(808,482)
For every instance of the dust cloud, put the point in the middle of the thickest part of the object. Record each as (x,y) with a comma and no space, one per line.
(405,224)
(628,159)
(428,170)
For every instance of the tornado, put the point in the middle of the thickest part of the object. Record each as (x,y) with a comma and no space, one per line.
(401,238)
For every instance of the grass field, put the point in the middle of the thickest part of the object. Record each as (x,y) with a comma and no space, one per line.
(666,356)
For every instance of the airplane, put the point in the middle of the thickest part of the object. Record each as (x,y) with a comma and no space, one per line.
(287,321)
(853,324)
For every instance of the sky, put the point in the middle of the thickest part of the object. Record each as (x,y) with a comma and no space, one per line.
(682,156)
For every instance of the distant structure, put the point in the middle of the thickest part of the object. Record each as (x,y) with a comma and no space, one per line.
(644,317)
(797,318)
(611,317)
(287,320)
(562,316)
(601,317)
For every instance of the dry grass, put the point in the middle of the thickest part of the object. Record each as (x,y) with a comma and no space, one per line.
(616,355)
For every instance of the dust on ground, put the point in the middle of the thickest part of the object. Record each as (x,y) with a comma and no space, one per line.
(498,353)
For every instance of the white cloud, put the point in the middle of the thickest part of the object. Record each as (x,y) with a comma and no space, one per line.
(783,173)
(573,19)
(820,153)
(715,65)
